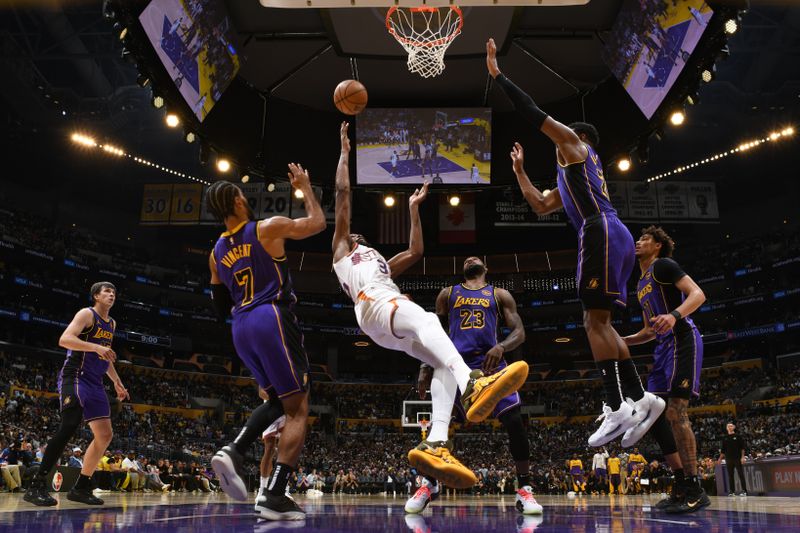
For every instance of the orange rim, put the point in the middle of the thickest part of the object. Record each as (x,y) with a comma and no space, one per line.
(424,44)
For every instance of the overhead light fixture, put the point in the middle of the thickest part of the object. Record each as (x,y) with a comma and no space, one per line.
(84,140)
(562,340)
(245,178)
(298,194)
(454,200)
(624,164)
(271,186)
(388,200)
(157,101)
(172,120)
(361,344)
(189,137)
(677,118)
(707,75)
(223,165)
(731,26)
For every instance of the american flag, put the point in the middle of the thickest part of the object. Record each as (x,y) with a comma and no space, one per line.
(393,223)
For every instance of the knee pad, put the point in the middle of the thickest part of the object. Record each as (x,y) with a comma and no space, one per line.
(517,436)
(662,433)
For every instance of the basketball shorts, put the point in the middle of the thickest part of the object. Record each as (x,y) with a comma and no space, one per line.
(507,403)
(268,340)
(601,472)
(375,311)
(89,395)
(615,479)
(678,361)
(606,258)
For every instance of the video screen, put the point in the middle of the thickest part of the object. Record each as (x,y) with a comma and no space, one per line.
(411,146)
(194,40)
(650,43)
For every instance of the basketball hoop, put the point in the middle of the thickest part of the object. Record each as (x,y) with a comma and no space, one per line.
(424,426)
(425,33)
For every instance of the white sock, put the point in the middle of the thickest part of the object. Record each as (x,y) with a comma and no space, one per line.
(264,483)
(443,394)
(432,345)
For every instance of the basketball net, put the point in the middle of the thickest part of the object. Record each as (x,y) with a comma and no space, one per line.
(425,33)
(424,425)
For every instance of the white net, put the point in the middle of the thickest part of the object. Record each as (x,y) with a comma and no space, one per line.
(425,33)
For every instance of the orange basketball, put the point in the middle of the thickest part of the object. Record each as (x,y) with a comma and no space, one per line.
(350,97)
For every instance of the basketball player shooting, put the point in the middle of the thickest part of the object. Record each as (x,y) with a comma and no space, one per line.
(396,323)
(606,253)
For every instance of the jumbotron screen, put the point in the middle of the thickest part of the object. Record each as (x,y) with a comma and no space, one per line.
(650,43)
(410,146)
(194,41)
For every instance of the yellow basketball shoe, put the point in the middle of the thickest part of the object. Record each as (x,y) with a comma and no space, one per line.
(435,460)
(483,392)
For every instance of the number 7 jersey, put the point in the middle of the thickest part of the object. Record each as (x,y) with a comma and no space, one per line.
(250,273)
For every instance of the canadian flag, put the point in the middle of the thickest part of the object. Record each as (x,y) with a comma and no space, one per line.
(457,223)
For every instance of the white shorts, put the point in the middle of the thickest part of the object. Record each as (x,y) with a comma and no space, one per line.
(375,313)
(274,430)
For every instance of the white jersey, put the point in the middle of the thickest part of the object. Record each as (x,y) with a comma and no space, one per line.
(364,272)
(599,460)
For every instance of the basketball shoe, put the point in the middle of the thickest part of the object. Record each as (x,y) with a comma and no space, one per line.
(435,460)
(645,412)
(483,392)
(282,507)
(615,423)
(526,503)
(227,464)
(425,494)
(38,495)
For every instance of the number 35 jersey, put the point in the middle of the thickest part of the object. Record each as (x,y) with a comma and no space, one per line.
(250,273)
(473,320)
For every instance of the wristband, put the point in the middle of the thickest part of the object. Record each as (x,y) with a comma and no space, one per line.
(676,314)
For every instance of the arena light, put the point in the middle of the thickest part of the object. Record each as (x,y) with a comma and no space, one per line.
(624,164)
(361,344)
(223,165)
(562,340)
(298,194)
(707,75)
(172,120)
(245,178)
(113,150)
(389,200)
(271,186)
(747,146)
(454,200)
(731,26)
(83,140)
(189,137)
(677,118)
(157,101)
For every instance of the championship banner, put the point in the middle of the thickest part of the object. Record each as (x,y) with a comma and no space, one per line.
(186,203)
(156,204)
(512,210)
(672,200)
(275,203)
(642,201)
(298,205)
(618,192)
(457,223)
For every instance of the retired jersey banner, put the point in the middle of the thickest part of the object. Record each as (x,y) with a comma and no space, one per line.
(618,193)
(185,203)
(156,203)
(702,200)
(457,223)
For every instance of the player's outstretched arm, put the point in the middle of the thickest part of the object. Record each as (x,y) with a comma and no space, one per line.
(300,228)
(567,141)
(542,204)
(341,233)
(513,321)
(83,320)
(416,245)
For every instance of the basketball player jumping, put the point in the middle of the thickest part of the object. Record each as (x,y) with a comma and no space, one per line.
(668,296)
(249,273)
(88,340)
(396,323)
(606,253)
(470,312)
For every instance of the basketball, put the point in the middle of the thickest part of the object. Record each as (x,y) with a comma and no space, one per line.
(350,97)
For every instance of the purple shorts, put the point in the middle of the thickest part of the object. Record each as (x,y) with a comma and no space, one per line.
(270,344)
(678,360)
(606,256)
(89,395)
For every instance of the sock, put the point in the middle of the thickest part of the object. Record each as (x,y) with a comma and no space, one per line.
(279,479)
(260,419)
(83,482)
(524,480)
(263,484)
(693,481)
(443,394)
(679,476)
(631,383)
(609,369)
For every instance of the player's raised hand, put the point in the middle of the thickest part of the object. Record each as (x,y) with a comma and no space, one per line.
(491,58)
(298,176)
(344,138)
(518,157)
(106,353)
(419,196)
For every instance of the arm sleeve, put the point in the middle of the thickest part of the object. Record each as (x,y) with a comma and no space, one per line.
(523,103)
(667,272)
(222,299)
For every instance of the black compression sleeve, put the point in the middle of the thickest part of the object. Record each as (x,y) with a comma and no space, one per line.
(667,272)
(222,299)
(523,103)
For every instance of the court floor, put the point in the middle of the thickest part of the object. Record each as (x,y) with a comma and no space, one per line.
(189,512)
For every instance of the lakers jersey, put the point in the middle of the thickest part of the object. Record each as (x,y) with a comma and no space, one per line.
(473,320)
(583,189)
(362,269)
(575,466)
(658,295)
(250,273)
(88,365)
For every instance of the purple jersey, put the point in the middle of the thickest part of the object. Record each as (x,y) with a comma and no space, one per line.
(658,295)
(88,365)
(473,320)
(583,189)
(252,276)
